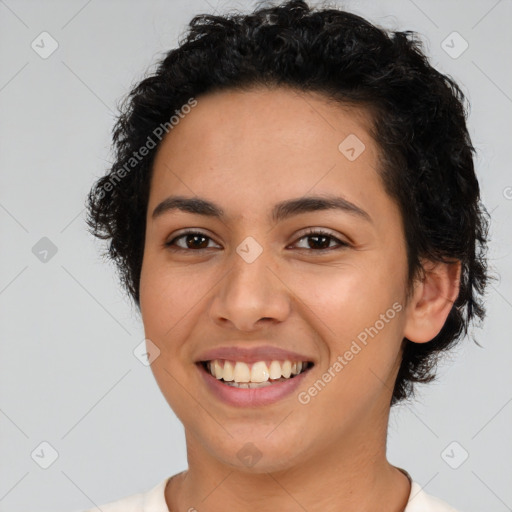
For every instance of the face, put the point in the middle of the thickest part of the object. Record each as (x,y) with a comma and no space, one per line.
(248,279)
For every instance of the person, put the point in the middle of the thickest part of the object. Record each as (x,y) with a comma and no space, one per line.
(293,208)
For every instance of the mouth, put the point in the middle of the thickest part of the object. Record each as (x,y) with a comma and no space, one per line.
(256,375)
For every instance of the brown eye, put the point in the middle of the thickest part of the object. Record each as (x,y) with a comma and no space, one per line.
(320,241)
(192,240)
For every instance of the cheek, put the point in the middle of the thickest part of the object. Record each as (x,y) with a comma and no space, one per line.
(356,310)
(347,298)
(166,296)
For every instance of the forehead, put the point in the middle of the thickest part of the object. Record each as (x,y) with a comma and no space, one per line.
(268,145)
(277,118)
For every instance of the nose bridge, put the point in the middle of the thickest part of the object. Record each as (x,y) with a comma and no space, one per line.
(250,274)
(251,290)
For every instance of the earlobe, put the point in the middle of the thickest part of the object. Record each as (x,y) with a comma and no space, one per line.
(432,300)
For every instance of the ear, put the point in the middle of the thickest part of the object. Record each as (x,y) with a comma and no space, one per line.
(432,300)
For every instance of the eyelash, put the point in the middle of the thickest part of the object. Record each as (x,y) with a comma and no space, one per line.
(310,233)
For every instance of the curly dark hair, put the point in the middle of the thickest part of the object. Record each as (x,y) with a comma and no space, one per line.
(419,125)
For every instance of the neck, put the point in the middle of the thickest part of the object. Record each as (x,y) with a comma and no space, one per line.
(352,475)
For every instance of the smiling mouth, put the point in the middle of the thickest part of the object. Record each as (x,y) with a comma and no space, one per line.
(254,375)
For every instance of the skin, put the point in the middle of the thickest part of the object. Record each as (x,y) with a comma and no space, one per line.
(247,151)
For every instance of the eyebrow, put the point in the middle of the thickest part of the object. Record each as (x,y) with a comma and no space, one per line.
(281,211)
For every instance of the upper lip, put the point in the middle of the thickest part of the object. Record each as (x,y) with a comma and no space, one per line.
(252,355)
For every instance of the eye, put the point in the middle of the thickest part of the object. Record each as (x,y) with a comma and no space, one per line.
(193,240)
(322,238)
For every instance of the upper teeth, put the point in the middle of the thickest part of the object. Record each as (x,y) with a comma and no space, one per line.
(259,372)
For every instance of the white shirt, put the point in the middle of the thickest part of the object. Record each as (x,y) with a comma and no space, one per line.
(154,501)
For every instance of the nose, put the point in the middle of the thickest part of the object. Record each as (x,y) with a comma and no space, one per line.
(250,294)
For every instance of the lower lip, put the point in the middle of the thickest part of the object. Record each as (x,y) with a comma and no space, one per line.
(245,397)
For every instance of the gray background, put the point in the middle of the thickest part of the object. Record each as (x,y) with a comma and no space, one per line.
(67,370)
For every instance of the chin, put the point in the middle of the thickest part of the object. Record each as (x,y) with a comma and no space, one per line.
(259,456)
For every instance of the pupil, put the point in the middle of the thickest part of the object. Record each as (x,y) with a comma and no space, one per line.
(194,238)
(323,237)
